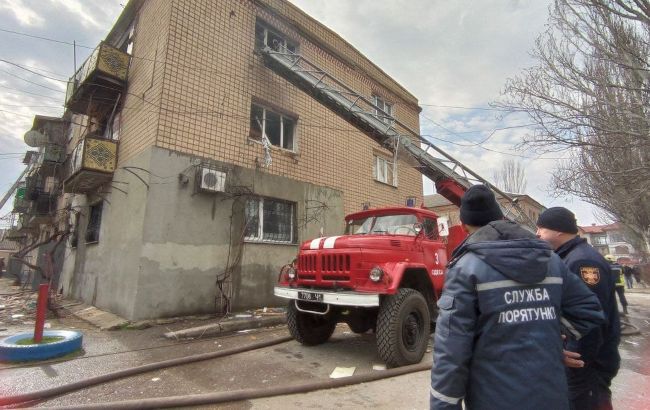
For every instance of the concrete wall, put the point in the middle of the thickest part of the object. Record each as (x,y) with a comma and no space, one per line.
(106,274)
(188,236)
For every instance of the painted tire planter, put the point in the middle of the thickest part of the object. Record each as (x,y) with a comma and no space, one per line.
(11,351)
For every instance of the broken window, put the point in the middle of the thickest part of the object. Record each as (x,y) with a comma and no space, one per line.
(270,220)
(266,36)
(383,170)
(279,129)
(384,111)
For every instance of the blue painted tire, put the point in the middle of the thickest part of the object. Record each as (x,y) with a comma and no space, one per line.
(10,351)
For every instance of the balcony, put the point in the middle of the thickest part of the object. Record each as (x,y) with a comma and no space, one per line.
(42,209)
(100,79)
(91,164)
(15,234)
(25,226)
(51,160)
(21,205)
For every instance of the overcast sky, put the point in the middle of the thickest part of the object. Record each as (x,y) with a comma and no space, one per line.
(447,53)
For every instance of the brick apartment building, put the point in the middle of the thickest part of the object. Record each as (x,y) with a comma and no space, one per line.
(177,204)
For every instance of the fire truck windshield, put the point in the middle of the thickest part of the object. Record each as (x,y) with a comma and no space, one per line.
(385,224)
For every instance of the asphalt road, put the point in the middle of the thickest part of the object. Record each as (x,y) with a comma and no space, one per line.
(286,363)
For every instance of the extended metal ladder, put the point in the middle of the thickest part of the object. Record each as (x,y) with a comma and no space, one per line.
(450,176)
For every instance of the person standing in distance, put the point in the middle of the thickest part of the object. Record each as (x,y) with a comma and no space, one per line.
(619,285)
(498,335)
(588,385)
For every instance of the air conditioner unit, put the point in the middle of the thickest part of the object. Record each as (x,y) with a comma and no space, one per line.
(211,180)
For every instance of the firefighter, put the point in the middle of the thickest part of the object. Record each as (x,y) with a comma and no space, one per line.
(617,272)
(497,339)
(589,384)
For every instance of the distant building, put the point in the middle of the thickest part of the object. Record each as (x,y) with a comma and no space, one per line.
(7,247)
(610,240)
(444,208)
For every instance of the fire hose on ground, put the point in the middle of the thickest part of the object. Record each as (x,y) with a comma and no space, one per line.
(208,398)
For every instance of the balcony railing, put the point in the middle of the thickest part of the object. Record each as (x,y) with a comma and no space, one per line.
(100,79)
(21,205)
(91,164)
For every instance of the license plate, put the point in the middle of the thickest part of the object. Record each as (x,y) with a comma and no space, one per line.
(312,297)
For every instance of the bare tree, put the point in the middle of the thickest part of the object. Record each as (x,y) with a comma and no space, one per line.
(511,177)
(589,94)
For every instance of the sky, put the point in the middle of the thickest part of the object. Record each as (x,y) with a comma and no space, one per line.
(447,53)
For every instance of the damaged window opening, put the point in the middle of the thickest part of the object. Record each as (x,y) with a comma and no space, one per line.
(383,171)
(386,107)
(265,36)
(279,128)
(270,220)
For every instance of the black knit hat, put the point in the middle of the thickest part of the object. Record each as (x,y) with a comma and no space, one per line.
(558,219)
(479,207)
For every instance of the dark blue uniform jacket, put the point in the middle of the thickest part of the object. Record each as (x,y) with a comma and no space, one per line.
(599,349)
(497,341)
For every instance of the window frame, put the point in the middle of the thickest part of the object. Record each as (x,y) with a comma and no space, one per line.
(386,107)
(266,27)
(388,166)
(256,135)
(259,235)
(92,232)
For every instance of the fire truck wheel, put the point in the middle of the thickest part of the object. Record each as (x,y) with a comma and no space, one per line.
(403,328)
(309,329)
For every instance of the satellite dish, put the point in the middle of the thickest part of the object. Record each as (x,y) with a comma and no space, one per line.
(34,138)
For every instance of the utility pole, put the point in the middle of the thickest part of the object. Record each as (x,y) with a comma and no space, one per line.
(13,187)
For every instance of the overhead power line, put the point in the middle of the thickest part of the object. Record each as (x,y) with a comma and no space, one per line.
(30,93)
(28,70)
(44,38)
(32,82)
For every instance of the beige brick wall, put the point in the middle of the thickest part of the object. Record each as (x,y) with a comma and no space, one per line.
(211,75)
(140,112)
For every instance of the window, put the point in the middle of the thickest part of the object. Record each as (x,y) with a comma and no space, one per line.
(94,223)
(430,228)
(270,220)
(616,237)
(265,36)
(383,171)
(125,43)
(279,129)
(600,240)
(385,107)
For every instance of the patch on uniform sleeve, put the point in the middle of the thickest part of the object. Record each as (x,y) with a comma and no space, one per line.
(590,274)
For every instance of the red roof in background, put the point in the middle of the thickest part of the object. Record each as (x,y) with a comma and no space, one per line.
(601,228)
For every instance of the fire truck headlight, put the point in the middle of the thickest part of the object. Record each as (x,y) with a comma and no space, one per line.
(376,274)
(291,273)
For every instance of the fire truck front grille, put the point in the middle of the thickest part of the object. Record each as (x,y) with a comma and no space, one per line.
(329,267)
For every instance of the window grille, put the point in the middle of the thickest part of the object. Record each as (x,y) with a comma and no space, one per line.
(270,220)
